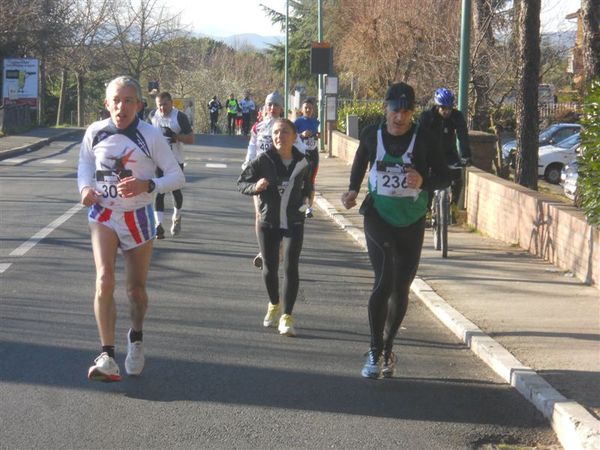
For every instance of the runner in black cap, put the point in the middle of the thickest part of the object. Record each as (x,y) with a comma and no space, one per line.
(405,162)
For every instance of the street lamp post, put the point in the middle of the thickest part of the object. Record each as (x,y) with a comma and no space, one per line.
(285,69)
(321,87)
(463,76)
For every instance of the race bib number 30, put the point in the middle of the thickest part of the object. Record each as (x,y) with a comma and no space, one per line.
(107,180)
(391,181)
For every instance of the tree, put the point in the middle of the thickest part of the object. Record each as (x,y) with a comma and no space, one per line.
(590,10)
(138,27)
(589,161)
(302,26)
(527,113)
(84,43)
(383,41)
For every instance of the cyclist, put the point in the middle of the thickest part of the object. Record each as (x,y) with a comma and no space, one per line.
(447,124)
(308,130)
(232,106)
(404,163)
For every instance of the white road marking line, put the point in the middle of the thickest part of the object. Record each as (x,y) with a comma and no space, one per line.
(53,161)
(29,244)
(4,266)
(216,165)
(13,161)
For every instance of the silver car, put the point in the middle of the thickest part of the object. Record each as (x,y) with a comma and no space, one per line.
(568,179)
(550,136)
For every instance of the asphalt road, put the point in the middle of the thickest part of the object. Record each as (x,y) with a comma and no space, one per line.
(215,378)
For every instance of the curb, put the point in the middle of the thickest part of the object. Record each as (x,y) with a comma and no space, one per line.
(574,426)
(34,145)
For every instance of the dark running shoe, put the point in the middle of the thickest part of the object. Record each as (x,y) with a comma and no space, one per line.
(372,367)
(258,261)
(160,232)
(389,364)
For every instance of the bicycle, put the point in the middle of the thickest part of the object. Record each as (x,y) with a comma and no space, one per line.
(440,218)
(440,212)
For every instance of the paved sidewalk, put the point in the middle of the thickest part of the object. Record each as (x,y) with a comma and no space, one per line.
(538,328)
(12,145)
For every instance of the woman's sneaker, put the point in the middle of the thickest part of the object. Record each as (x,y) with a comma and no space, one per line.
(176,227)
(272,315)
(286,326)
(105,369)
(372,367)
(389,364)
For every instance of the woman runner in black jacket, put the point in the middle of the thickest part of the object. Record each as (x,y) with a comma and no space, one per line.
(281,179)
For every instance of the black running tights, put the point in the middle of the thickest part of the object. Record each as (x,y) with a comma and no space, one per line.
(394,253)
(269,241)
(177,195)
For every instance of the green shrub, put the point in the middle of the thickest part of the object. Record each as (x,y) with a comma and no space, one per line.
(588,183)
(368,113)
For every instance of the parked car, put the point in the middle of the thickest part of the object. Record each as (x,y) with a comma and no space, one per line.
(568,179)
(550,136)
(552,158)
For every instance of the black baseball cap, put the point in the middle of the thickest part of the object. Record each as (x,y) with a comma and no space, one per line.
(400,96)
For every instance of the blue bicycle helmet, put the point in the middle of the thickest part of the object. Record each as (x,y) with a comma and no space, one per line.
(444,97)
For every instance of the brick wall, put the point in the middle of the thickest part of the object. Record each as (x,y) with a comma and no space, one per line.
(552,230)
(511,213)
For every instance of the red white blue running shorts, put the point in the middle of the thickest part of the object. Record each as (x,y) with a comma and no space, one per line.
(133,228)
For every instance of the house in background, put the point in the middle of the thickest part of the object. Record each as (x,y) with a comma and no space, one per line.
(575,64)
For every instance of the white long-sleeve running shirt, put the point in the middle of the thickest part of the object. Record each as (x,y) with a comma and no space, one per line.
(107,155)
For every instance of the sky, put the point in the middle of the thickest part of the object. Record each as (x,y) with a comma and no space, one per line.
(222,18)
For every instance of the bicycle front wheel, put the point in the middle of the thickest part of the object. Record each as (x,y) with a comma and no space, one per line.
(436,221)
(445,220)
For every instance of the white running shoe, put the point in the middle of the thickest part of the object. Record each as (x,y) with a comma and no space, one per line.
(286,326)
(272,315)
(134,362)
(105,369)
(176,227)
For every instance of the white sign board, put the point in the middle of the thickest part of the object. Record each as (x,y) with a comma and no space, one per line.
(331,108)
(20,82)
(331,85)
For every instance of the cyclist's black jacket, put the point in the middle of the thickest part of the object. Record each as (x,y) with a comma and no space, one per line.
(428,158)
(269,165)
(446,131)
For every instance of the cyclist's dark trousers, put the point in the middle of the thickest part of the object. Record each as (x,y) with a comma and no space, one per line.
(177,195)
(246,123)
(230,122)
(394,253)
(269,241)
(214,118)
(457,186)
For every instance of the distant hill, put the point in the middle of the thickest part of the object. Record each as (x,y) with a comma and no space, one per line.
(239,40)
(562,40)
